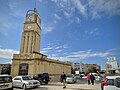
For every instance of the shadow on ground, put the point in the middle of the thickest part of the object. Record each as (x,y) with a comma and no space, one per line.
(54,84)
(40,88)
(78,89)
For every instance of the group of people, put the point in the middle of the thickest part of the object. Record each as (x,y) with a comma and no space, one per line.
(90,78)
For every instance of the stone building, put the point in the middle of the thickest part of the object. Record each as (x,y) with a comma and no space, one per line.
(111,64)
(83,67)
(30,61)
(77,66)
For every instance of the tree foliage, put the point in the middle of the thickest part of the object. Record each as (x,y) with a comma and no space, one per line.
(6,70)
(93,69)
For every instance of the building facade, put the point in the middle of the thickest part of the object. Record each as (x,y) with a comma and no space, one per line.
(83,68)
(111,64)
(86,67)
(78,66)
(30,61)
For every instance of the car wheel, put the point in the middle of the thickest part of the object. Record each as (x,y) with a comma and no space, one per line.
(46,82)
(24,87)
(11,88)
(40,82)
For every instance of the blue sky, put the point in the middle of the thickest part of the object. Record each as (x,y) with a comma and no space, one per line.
(85,31)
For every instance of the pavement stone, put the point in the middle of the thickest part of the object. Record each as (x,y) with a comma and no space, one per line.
(80,85)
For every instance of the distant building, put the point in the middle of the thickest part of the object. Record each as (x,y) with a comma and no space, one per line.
(84,67)
(77,66)
(88,66)
(111,64)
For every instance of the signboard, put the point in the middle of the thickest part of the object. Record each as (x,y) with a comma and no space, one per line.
(77,72)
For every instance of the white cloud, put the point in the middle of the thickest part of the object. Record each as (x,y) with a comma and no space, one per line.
(55,21)
(9,16)
(4,25)
(47,28)
(77,19)
(81,55)
(44,51)
(57,16)
(67,14)
(88,33)
(48,48)
(79,6)
(93,32)
(87,54)
(7,53)
(54,51)
(61,46)
(15,8)
(93,8)
(65,46)
(71,5)
(101,8)
(59,51)
(51,48)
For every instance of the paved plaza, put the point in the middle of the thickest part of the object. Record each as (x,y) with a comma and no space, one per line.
(80,85)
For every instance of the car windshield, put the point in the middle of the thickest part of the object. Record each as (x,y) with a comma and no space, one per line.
(26,78)
(5,79)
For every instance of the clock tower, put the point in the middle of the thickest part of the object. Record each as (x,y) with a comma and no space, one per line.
(30,41)
(30,61)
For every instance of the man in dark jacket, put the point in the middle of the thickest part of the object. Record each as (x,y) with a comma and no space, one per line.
(63,77)
(92,78)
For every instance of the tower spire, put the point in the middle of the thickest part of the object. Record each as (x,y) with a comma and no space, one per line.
(35,4)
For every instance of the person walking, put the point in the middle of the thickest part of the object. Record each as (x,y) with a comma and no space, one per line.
(63,77)
(88,79)
(92,78)
(81,76)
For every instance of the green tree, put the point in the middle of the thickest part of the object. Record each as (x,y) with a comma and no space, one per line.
(6,70)
(93,69)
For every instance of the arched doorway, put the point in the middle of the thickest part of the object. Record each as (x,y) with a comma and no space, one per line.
(23,69)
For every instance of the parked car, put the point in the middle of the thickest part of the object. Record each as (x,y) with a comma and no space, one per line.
(77,76)
(70,79)
(25,82)
(6,82)
(42,78)
(111,83)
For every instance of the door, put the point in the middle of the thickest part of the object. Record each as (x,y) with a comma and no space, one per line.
(17,82)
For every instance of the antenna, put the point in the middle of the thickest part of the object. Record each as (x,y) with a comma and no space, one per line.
(35,3)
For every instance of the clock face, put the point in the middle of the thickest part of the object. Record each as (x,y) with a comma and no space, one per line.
(29,27)
(31,17)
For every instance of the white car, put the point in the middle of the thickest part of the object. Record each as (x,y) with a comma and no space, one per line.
(25,82)
(6,82)
(71,78)
(111,83)
(97,76)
